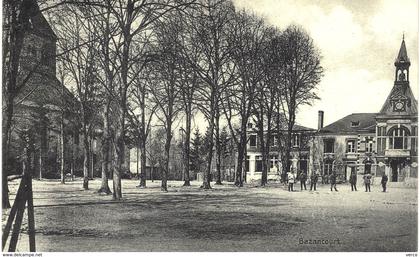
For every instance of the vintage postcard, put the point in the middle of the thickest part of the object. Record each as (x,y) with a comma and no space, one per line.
(210,126)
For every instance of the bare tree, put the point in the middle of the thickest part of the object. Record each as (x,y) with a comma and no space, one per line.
(247,42)
(141,112)
(167,81)
(16,23)
(77,33)
(300,72)
(209,35)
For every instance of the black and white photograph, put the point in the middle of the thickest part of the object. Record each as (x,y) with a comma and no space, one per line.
(285,126)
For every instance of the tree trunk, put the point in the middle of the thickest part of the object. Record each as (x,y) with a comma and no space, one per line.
(73,146)
(105,153)
(241,152)
(6,139)
(262,144)
(207,172)
(186,144)
(120,151)
(143,139)
(62,150)
(218,148)
(85,162)
(143,165)
(164,186)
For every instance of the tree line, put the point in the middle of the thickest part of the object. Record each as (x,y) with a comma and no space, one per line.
(135,64)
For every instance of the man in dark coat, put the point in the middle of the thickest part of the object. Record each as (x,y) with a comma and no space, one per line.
(333,181)
(353,181)
(302,178)
(384,181)
(314,180)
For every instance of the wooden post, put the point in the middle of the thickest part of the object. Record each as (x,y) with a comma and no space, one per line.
(23,195)
(31,218)
(19,198)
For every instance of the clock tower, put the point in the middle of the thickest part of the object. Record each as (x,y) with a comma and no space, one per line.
(396,125)
(401,100)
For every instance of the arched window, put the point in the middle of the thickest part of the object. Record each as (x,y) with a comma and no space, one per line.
(398,137)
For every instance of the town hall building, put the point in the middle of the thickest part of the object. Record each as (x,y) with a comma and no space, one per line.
(376,143)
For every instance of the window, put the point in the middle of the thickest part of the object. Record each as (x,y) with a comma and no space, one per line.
(398,138)
(381,143)
(258,163)
(273,161)
(328,165)
(355,124)
(253,140)
(250,125)
(414,139)
(351,146)
(329,146)
(273,141)
(369,144)
(295,140)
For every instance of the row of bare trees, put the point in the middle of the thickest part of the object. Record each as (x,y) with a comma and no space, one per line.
(136,63)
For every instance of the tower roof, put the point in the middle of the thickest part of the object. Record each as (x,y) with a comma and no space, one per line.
(402,55)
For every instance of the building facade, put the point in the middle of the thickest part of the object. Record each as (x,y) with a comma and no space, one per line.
(376,143)
(299,156)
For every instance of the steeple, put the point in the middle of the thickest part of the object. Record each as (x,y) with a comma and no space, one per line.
(402,55)
(402,64)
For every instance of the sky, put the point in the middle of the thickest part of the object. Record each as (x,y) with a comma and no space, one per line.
(359,41)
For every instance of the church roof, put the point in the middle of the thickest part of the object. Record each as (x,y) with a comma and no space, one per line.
(402,54)
(353,123)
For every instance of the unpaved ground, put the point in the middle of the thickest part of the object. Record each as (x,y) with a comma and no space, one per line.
(225,218)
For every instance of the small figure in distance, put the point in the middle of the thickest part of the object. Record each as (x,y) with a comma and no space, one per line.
(367,179)
(383,182)
(291,177)
(353,181)
(314,180)
(302,178)
(333,181)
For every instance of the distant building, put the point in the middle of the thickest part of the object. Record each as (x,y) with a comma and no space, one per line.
(376,143)
(299,155)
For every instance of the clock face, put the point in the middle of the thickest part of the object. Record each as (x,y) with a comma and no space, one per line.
(399,106)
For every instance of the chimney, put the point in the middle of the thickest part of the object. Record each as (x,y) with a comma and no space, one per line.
(320,120)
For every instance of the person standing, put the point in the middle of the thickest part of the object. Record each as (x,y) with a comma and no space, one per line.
(314,180)
(353,181)
(291,177)
(384,181)
(333,181)
(367,179)
(303,177)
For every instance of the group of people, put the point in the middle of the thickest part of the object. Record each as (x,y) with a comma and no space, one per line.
(292,178)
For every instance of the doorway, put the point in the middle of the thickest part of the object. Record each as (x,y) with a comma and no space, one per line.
(394,171)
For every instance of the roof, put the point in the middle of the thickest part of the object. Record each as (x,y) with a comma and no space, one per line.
(40,25)
(402,54)
(353,123)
